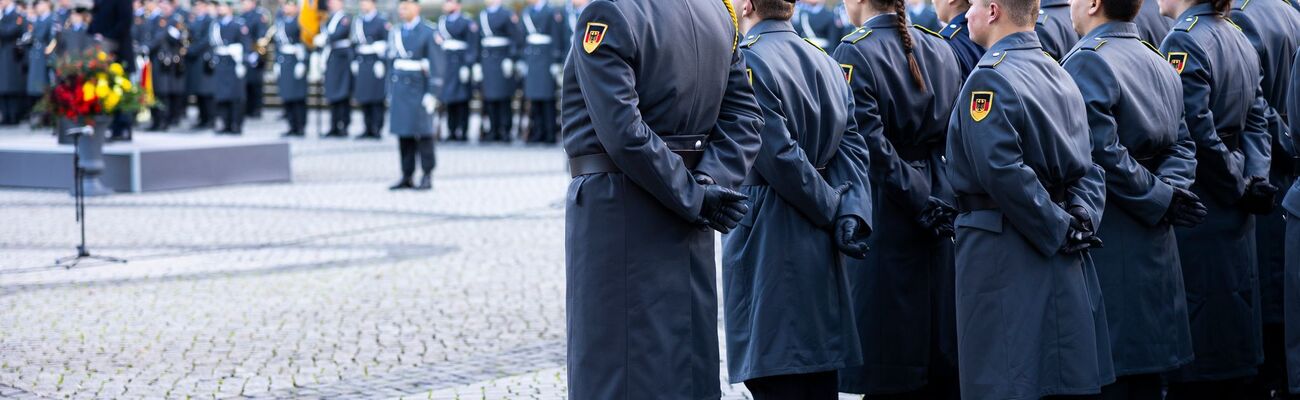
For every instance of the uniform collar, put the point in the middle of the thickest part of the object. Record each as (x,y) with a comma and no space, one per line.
(539,6)
(1199,9)
(226,20)
(1015,41)
(453,16)
(771,25)
(370,16)
(814,9)
(1053,3)
(882,21)
(957,22)
(493,9)
(411,25)
(1113,29)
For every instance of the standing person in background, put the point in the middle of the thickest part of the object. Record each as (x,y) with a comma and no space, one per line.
(13,89)
(458,37)
(958,34)
(905,82)
(496,71)
(1273,29)
(62,12)
(112,24)
(811,207)
(38,59)
(1225,116)
(200,63)
(1055,30)
(543,57)
(166,39)
(258,22)
(230,44)
(819,24)
(921,12)
(370,36)
(291,69)
(1135,112)
(1291,203)
(415,80)
(334,38)
(1152,27)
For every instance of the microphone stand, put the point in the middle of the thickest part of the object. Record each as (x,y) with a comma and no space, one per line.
(79,194)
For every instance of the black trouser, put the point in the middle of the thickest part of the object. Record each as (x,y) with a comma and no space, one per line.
(1208,390)
(120,128)
(253,90)
(409,147)
(1073,397)
(11,106)
(541,121)
(1272,376)
(1133,387)
(175,109)
(231,114)
(295,113)
(939,386)
(458,121)
(340,117)
(205,105)
(814,386)
(43,118)
(374,117)
(498,112)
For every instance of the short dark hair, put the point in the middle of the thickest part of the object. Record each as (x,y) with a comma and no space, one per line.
(1121,10)
(1021,12)
(774,9)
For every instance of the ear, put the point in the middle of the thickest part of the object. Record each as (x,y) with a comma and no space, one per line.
(1094,7)
(995,12)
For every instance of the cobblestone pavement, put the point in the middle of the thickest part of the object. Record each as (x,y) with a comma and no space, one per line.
(328,287)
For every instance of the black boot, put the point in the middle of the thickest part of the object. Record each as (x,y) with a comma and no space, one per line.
(405,183)
(426,182)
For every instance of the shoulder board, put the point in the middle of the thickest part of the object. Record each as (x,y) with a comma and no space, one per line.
(1042,17)
(1095,45)
(950,31)
(750,40)
(927,30)
(815,45)
(1186,24)
(1049,57)
(1234,24)
(992,60)
(857,35)
(1243,5)
(1152,47)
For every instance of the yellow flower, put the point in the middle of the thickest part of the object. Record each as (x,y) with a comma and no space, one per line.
(114,97)
(102,56)
(101,76)
(124,83)
(116,69)
(101,89)
(88,92)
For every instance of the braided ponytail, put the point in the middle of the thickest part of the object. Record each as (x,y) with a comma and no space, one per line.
(1222,6)
(905,33)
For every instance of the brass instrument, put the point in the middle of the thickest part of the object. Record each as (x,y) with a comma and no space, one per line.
(265,40)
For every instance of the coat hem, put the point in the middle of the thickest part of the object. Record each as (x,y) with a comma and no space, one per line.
(789,371)
(1156,369)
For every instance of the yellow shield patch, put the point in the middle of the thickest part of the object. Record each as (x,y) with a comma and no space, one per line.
(595,34)
(980,105)
(848,72)
(1178,60)
(750,72)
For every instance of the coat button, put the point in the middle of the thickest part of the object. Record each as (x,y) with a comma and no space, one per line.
(699,144)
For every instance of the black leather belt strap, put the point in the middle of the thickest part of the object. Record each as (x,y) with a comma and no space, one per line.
(601,163)
(978,202)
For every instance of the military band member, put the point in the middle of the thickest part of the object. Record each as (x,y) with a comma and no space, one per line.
(415,80)
(38,58)
(258,22)
(543,57)
(1054,28)
(1152,27)
(335,38)
(1225,116)
(458,37)
(650,173)
(1030,322)
(1135,114)
(166,39)
(905,81)
(958,34)
(495,71)
(200,63)
(231,44)
(13,88)
(370,35)
(73,36)
(291,69)
(819,24)
(62,12)
(811,195)
(1273,29)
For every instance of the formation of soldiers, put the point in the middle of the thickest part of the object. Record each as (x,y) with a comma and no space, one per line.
(1065,199)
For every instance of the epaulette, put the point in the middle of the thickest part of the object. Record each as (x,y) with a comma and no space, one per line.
(950,31)
(1152,47)
(857,35)
(1234,24)
(1243,5)
(927,30)
(991,60)
(814,45)
(1042,17)
(749,41)
(1186,24)
(1095,45)
(1049,57)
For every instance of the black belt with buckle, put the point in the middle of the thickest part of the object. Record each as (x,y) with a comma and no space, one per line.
(689,147)
(977,202)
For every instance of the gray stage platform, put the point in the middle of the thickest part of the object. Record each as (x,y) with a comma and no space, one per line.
(151,162)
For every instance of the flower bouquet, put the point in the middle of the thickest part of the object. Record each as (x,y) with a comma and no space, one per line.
(91,85)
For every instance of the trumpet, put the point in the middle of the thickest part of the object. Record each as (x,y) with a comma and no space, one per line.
(265,40)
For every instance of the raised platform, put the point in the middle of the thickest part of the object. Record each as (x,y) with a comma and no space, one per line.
(150,162)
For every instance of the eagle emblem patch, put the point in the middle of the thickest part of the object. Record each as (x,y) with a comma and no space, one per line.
(595,34)
(980,105)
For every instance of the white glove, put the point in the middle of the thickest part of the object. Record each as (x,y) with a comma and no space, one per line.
(300,70)
(507,68)
(275,69)
(319,40)
(429,103)
(464,74)
(477,73)
(173,32)
(380,47)
(522,67)
(379,70)
(355,67)
(557,71)
(240,70)
(251,58)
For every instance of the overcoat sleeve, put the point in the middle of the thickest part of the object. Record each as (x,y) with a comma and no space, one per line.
(1224,167)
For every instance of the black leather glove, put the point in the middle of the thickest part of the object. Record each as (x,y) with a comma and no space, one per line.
(723,208)
(1185,210)
(851,236)
(1259,196)
(1080,235)
(938,217)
